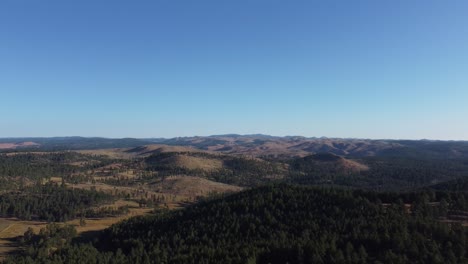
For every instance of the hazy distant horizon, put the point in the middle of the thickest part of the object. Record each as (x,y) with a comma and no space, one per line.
(231,134)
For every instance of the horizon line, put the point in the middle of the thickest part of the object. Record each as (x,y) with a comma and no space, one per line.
(232,135)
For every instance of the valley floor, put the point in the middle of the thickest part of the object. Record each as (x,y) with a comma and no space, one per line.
(12,228)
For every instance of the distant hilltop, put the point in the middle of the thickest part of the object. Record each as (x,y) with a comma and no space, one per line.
(257,145)
(14,145)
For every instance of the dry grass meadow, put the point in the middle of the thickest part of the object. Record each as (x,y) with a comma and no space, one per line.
(11,228)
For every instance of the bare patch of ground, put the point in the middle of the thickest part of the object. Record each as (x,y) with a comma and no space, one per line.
(143,151)
(194,163)
(353,166)
(17,145)
(115,153)
(192,187)
(11,228)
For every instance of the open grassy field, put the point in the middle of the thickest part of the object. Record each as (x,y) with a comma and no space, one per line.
(97,224)
(11,228)
(190,187)
(194,163)
(142,151)
(3,224)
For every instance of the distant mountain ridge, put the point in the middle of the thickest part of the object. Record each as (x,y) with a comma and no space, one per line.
(73,143)
(257,145)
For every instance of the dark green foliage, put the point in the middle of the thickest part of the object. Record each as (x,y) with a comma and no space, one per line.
(273,224)
(36,166)
(106,211)
(317,169)
(76,143)
(323,157)
(458,185)
(385,173)
(243,171)
(428,149)
(281,224)
(285,223)
(398,173)
(50,202)
(31,165)
(248,171)
(53,245)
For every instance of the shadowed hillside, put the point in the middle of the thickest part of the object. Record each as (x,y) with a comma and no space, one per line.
(242,171)
(253,145)
(276,224)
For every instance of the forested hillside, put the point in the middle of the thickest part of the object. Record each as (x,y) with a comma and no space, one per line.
(23,167)
(280,224)
(258,145)
(51,202)
(375,209)
(382,173)
(238,170)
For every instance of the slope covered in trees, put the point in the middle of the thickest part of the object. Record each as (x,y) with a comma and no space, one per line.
(279,224)
(242,171)
(50,202)
(32,166)
(378,173)
(384,173)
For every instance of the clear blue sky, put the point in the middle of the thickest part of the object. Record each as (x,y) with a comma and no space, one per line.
(367,69)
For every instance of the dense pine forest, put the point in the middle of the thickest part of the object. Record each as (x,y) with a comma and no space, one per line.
(51,202)
(318,208)
(242,171)
(385,173)
(276,224)
(31,166)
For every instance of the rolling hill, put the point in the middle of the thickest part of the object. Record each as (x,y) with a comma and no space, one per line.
(273,224)
(257,145)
